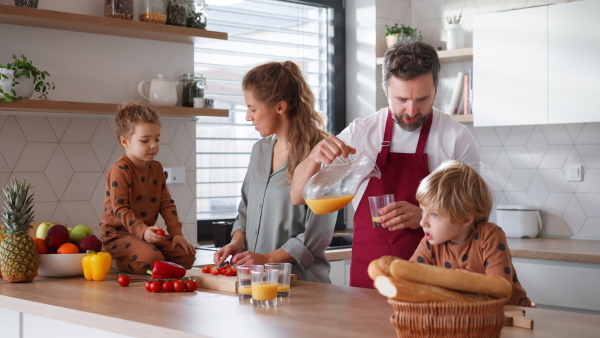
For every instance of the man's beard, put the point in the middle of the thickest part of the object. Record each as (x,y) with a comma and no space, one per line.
(411,126)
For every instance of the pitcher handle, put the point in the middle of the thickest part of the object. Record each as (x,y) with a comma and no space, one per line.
(141,90)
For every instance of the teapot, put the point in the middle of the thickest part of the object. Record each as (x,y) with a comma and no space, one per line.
(335,185)
(159,92)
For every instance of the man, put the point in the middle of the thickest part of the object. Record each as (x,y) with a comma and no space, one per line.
(408,139)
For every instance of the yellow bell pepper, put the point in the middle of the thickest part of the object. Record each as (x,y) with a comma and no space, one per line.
(96,265)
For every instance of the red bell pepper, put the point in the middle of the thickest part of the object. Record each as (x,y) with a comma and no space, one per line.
(167,270)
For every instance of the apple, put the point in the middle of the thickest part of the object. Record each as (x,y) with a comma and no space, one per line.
(90,242)
(42,229)
(56,236)
(79,232)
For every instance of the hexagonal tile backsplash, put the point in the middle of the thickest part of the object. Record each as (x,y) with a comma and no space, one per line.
(522,164)
(66,159)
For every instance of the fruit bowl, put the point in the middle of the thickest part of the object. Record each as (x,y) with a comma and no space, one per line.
(61,265)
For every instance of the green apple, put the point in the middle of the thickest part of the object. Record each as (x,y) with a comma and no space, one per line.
(43,229)
(79,232)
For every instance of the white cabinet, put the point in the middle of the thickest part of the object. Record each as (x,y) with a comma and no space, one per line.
(560,284)
(340,272)
(510,67)
(574,46)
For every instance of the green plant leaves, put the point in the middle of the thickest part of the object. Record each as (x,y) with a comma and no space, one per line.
(24,67)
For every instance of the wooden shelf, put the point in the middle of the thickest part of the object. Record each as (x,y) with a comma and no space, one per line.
(449,56)
(464,119)
(25,16)
(68,107)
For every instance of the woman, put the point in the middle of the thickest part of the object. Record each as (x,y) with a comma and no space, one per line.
(272,229)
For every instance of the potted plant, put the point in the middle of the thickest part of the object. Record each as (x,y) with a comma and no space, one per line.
(403,33)
(456,34)
(18,79)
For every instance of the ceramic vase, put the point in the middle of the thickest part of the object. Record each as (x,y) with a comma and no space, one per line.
(24,89)
(456,37)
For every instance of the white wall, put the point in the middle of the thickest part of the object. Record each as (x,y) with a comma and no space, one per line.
(66,157)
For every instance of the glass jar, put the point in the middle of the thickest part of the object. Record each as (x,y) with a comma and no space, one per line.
(196,15)
(27,3)
(177,12)
(152,11)
(119,9)
(193,86)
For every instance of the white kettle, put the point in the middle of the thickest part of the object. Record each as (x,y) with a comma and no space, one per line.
(519,221)
(159,92)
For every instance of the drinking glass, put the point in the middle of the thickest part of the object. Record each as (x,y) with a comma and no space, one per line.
(376,203)
(284,278)
(264,287)
(245,280)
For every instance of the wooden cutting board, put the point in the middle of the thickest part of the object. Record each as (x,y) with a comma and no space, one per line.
(220,282)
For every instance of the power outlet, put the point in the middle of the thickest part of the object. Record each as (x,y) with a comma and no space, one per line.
(575,173)
(175,174)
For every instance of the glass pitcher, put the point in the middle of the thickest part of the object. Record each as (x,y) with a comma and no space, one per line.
(334,186)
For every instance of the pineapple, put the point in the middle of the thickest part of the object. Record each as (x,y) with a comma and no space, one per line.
(18,254)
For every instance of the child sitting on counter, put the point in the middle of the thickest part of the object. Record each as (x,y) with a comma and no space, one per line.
(456,204)
(136,194)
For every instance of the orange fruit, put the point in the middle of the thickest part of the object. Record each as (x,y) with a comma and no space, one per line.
(42,248)
(67,248)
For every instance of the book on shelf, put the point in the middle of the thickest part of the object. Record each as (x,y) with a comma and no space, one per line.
(465,95)
(456,94)
(470,91)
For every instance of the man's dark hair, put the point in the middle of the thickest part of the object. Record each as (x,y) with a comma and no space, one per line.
(408,60)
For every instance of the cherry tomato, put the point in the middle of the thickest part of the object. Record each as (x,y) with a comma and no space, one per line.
(178,286)
(230,272)
(156,286)
(148,286)
(160,232)
(191,285)
(207,269)
(214,272)
(167,286)
(124,280)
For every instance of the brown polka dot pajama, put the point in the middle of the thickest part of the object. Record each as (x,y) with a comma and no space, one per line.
(135,197)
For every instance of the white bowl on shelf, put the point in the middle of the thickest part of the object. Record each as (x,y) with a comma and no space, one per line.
(61,265)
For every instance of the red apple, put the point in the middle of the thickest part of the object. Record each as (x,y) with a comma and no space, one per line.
(56,236)
(90,242)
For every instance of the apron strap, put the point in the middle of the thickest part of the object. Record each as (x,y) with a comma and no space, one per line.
(424,134)
(387,141)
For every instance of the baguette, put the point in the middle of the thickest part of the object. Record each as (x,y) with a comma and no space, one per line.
(404,290)
(466,281)
(380,267)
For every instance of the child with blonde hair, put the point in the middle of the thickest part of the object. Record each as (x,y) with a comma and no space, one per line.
(136,193)
(456,203)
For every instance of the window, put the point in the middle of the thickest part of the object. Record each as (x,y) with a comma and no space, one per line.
(306,32)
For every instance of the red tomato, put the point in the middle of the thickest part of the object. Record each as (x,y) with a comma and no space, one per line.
(214,272)
(160,232)
(178,286)
(230,272)
(148,286)
(191,285)
(155,286)
(124,280)
(207,269)
(167,286)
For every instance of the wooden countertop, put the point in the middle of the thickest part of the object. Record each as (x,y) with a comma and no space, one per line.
(316,310)
(559,249)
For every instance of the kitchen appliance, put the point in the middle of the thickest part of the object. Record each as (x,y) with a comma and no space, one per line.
(519,221)
(222,232)
(159,92)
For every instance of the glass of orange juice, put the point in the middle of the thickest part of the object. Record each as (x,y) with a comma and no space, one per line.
(284,278)
(376,203)
(245,280)
(264,287)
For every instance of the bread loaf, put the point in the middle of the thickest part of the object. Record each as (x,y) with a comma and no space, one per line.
(380,267)
(466,281)
(404,290)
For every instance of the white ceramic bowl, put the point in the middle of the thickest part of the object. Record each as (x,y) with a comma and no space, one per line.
(61,265)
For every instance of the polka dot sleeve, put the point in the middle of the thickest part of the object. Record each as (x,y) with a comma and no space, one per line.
(118,192)
(496,254)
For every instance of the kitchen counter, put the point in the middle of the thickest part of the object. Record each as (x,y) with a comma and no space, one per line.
(315,310)
(558,249)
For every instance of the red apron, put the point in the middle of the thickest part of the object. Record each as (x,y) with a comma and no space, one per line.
(401,174)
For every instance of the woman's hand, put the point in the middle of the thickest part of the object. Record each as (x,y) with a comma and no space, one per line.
(400,215)
(249,258)
(151,236)
(180,240)
(233,248)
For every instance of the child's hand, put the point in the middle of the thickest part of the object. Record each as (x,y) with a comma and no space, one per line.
(151,235)
(180,240)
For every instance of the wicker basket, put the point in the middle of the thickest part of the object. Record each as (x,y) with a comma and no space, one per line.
(448,319)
